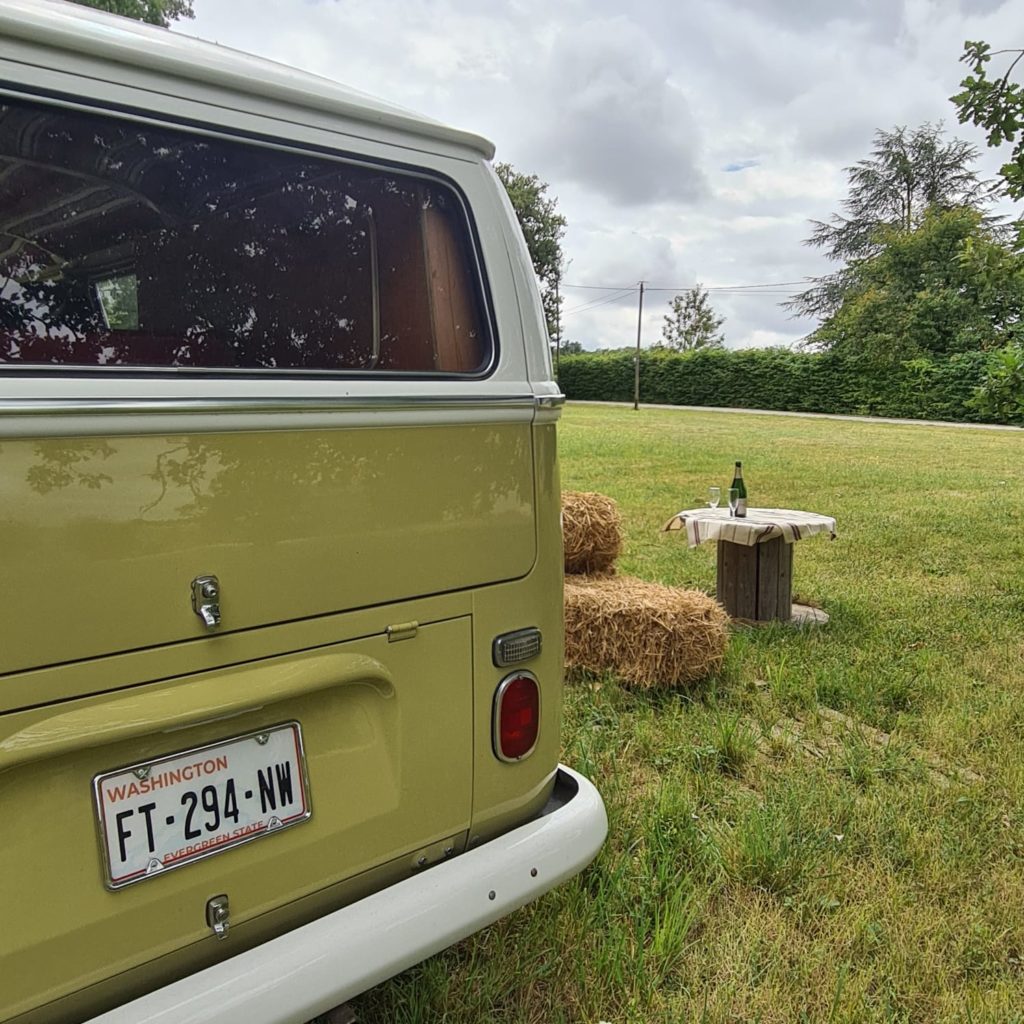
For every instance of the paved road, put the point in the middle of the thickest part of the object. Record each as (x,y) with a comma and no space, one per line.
(815,416)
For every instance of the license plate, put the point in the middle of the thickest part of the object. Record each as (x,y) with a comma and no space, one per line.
(189,805)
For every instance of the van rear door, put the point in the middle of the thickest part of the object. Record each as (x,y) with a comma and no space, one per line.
(379,786)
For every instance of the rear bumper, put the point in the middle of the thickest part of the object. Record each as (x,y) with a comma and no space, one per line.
(307,971)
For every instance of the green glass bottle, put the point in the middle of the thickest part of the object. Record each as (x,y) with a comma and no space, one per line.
(741,490)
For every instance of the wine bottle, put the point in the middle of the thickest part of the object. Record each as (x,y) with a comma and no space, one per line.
(741,490)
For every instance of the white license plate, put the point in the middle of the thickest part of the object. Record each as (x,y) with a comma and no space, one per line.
(180,808)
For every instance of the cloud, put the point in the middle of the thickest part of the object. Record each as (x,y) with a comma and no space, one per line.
(873,18)
(614,121)
(624,256)
(684,142)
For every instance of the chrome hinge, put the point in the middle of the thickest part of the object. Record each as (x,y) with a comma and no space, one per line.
(402,631)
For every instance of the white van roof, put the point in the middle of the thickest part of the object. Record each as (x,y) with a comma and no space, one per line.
(67,26)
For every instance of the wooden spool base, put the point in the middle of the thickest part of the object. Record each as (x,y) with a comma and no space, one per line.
(756,582)
(805,615)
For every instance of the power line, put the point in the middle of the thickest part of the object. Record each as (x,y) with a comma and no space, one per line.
(766,284)
(601,287)
(594,305)
(683,288)
(621,294)
(733,287)
(769,289)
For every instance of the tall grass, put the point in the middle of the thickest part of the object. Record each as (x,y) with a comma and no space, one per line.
(764,863)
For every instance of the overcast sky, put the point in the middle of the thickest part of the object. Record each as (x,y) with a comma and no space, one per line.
(685,141)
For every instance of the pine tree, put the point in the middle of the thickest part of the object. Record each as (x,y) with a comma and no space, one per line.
(909,172)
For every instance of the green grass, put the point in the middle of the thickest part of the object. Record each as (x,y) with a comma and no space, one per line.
(850,873)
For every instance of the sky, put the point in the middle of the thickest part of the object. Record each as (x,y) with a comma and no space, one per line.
(687,141)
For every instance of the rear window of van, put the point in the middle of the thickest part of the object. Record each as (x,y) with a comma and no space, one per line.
(129,245)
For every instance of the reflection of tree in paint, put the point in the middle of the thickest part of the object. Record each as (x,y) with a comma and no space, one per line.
(76,462)
(203,475)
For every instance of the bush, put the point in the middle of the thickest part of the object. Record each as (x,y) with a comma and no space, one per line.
(1001,394)
(778,378)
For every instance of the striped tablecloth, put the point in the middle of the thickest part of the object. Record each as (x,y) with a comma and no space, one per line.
(760,524)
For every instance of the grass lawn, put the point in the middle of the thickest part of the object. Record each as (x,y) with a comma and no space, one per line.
(833,829)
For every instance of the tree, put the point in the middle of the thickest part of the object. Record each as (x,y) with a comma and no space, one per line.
(1001,394)
(997,105)
(543,227)
(908,173)
(692,323)
(947,285)
(153,12)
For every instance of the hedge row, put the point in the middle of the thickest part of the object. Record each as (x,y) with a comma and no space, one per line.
(782,379)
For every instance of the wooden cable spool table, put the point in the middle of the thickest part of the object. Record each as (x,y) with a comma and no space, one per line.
(755,557)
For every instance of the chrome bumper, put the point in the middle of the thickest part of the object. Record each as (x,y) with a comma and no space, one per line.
(313,968)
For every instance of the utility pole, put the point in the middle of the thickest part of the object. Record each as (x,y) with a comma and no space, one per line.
(636,365)
(558,321)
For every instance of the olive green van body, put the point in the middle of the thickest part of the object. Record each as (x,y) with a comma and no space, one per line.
(397,731)
(369,539)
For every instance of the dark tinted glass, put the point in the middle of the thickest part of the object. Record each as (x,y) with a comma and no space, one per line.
(127,245)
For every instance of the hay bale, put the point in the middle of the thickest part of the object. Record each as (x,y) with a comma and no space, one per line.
(591,532)
(648,635)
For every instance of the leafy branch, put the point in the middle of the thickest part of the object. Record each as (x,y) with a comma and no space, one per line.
(995,104)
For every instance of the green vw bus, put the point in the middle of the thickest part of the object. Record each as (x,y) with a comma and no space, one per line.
(281,658)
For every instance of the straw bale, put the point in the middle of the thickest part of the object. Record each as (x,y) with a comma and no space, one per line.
(591,531)
(648,635)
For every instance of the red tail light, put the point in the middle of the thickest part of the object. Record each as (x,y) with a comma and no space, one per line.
(516,716)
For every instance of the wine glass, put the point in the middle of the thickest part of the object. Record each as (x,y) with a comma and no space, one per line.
(714,496)
(734,499)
